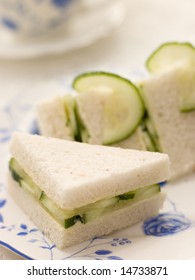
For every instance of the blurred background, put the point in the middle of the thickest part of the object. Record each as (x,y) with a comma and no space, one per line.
(125,44)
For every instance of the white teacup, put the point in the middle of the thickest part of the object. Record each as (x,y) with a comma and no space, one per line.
(31,18)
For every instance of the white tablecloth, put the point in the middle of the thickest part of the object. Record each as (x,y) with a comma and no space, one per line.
(147,24)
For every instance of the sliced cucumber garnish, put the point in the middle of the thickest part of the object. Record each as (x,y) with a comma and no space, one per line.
(177,55)
(123,110)
(169,56)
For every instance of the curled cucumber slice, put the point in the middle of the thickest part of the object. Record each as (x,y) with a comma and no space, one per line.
(169,56)
(181,56)
(123,108)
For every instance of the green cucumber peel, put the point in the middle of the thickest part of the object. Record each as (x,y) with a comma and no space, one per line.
(169,55)
(119,125)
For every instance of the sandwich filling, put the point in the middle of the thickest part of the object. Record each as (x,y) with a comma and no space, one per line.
(73,120)
(86,213)
(150,135)
(81,134)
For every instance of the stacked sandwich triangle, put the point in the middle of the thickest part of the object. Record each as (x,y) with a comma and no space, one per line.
(157,114)
(75,191)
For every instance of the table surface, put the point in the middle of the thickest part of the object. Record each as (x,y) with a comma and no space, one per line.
(147,24)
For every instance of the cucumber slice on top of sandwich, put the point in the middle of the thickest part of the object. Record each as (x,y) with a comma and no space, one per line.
(169,56)
(174,55)
(123,108)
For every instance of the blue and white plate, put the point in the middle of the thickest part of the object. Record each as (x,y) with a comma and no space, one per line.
(170,235)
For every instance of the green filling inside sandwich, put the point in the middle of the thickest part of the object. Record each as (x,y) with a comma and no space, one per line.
(150,135)
(73,120)
(72,117)
(84,214)
(81,134)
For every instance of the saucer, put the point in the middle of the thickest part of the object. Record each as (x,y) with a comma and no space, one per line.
(85,28)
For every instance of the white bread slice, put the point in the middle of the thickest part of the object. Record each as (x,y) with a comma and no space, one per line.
(74,174)
(62,237)
(90,106)
(52,119)
(176,130)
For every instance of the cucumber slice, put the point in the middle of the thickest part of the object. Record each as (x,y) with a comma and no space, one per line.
(99,208)
(61,215)
(186,81)
(147,192)
(148,141)
(70,105)
(147,138)
(33,189)
(127,196)
(142,193)
(123,109)
(85,214)
(72,221)
(16,172)
(101,204)
(102,207)
(169,56)
(152,134)
(20,176)
(92,215)
(82,135)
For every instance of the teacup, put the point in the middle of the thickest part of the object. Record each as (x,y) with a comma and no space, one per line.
(31,18)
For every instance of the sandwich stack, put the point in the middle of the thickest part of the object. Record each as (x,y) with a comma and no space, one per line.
(75,191)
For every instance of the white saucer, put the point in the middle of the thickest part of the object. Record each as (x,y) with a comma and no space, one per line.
(86,27)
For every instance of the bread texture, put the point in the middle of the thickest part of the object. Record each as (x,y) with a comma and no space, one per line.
(52,119)
(74,174)
(104,225)
(176,130)
(92,116)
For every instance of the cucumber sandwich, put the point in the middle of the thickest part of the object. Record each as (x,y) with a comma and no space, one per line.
(156,115)
(169,97)
(75,191)
(106,109)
